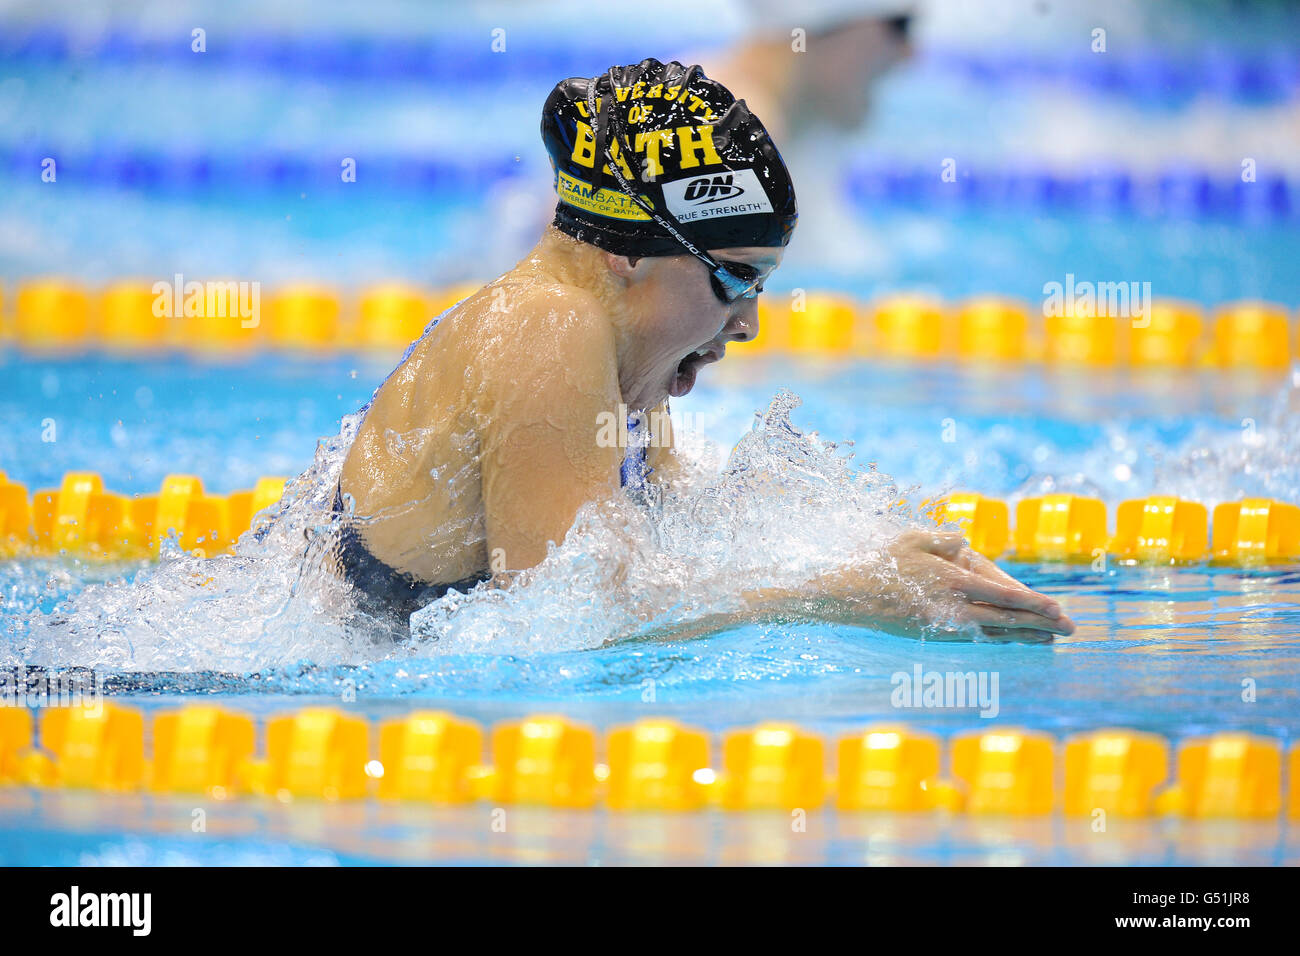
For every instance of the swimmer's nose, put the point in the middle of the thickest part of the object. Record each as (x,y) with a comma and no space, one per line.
(743,326)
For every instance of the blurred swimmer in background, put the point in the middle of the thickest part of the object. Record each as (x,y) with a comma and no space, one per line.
(477,452)
(809,70)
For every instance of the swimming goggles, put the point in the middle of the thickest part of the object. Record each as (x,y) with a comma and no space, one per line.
(730,280)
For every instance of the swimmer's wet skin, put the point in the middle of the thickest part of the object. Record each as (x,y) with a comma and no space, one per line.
(674,208)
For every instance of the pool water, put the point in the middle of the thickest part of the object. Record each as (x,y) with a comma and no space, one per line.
(1161,649)
(66,829)
(1176,651)
(228,166)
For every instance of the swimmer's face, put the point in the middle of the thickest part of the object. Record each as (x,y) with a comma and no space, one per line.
(679,325)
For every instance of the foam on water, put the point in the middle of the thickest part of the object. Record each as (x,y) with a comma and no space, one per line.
(1262,460)
(1211,464)
(785,506)
(781,508)
(273,601)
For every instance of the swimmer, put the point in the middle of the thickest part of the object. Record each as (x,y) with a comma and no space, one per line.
(820,79)
(810,70)
(478,450)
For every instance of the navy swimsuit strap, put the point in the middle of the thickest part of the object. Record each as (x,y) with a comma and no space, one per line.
(634,470)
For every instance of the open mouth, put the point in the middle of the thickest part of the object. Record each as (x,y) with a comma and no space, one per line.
(684,379)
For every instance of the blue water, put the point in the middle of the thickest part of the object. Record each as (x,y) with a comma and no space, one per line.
(228,166)
(1164,650)
(96,830)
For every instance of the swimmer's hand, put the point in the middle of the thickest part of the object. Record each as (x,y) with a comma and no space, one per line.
(924,582)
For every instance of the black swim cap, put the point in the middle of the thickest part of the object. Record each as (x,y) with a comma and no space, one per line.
(689,148)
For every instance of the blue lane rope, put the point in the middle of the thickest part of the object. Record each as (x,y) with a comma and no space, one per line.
(1176,191)
(193,171)
(1180,191)
(1255,74)
(459,57)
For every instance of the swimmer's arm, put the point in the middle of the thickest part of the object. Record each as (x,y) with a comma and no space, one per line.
(541,421)
(901,591)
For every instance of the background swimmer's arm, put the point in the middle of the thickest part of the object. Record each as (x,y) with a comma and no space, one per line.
(542,457)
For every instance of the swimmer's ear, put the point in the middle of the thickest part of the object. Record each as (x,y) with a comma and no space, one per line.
(622,266)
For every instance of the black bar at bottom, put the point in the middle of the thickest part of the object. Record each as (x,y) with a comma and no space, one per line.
(369,905)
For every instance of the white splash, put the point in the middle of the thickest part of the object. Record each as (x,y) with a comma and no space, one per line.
(785,506)
(781,508)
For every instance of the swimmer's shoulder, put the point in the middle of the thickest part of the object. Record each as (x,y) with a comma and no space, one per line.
(546,318)
(542,349)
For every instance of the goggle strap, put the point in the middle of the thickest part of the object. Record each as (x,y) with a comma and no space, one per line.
(670,224)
